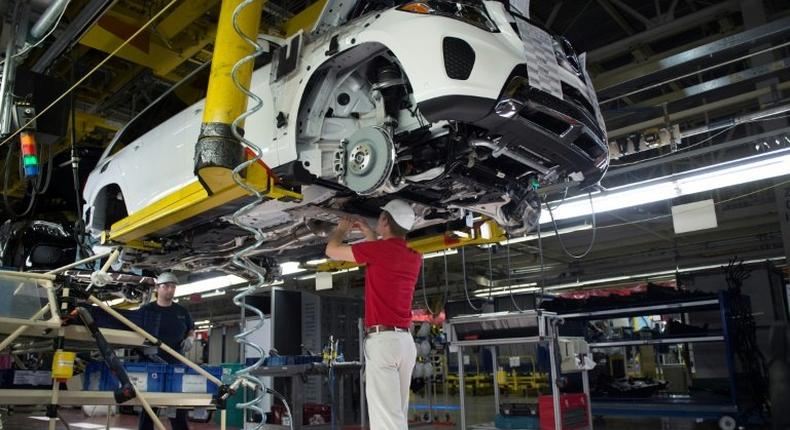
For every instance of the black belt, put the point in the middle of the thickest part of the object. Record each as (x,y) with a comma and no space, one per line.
(378,328)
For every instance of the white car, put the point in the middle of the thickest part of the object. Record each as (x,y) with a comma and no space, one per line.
(452,105)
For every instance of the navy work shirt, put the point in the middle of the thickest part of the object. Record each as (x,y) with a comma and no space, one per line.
(174,325)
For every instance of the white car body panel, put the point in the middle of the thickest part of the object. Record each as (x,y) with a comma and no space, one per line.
(161,161)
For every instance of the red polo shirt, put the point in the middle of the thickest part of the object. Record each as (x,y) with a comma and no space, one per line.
(391,274)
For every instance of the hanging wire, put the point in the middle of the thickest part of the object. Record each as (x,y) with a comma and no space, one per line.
(446,283)
(490,273)
(509,278)
(424,294)
(446,288)
(242,258)
(164,9)
(28,48)
(559,237)
(541,279)
(466,286)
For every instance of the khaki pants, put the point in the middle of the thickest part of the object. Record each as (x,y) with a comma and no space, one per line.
(389,361)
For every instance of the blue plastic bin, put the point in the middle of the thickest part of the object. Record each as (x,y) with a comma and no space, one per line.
(147,377)
(182,379)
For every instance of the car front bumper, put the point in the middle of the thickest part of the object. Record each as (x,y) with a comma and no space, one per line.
(529,123)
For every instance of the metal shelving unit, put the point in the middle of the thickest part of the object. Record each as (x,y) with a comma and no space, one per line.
(658,341)
(676,405)
(506,328)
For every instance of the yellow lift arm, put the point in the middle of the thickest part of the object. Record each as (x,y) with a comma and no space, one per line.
(483,233)
(214,186)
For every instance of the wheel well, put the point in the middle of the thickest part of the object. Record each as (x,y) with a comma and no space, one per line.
(108,207)
(365,53)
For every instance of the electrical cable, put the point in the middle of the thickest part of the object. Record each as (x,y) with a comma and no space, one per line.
(614,167)
(509,278)
(28,48)
(90,72)
(594,229)
(282,398)
(490,272)
(446,283)
(695,72)
(6,176)
(466,286)
(542,277)
(658,217)
(241,258)
(446,288)
(424,294)
(48,175)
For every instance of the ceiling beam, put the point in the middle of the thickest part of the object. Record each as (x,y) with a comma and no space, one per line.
(708,107)
(76,27)
(182,16)
(681,24)
(618,19)
(705,55)
(111,30)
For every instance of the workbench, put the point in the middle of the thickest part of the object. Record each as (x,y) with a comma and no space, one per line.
(296,374)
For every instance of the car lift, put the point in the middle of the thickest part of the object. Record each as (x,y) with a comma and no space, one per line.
(481,233)
(217,152)
(127,391)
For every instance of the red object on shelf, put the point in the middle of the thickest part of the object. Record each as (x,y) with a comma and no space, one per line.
(319,414)
(573,409)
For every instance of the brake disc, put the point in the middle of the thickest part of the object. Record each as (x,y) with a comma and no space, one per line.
(370,156)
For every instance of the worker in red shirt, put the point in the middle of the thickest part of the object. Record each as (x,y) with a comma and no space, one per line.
(390,278)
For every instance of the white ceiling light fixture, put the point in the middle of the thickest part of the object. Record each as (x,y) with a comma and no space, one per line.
(531,286)
(339,272)
(545,234)
(290,267)
(436,254)
(316,262)
(749,169)
(214,293)
(210,284)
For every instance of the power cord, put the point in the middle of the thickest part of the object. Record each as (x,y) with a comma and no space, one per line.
(509,278)
(466,286)
(559,237)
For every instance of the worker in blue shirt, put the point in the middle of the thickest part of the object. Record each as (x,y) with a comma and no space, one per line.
(176,329)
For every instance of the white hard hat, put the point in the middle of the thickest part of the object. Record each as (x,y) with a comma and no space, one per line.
(401,213)
(166,278)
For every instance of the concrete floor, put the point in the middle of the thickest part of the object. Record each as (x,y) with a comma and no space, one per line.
(479,410)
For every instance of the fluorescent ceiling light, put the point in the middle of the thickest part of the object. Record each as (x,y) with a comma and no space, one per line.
(461,233)
(317,262)
(750,169)
(208,285)
(531,286)
(202,322)
(214,293)
(312,275)
(548,233)
(439,254)
(290,267)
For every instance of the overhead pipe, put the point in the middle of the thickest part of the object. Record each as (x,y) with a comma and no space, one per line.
(731,122)
(217,151)
(500,149)
(47,20)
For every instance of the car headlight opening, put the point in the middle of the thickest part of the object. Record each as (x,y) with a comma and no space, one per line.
(473,14)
